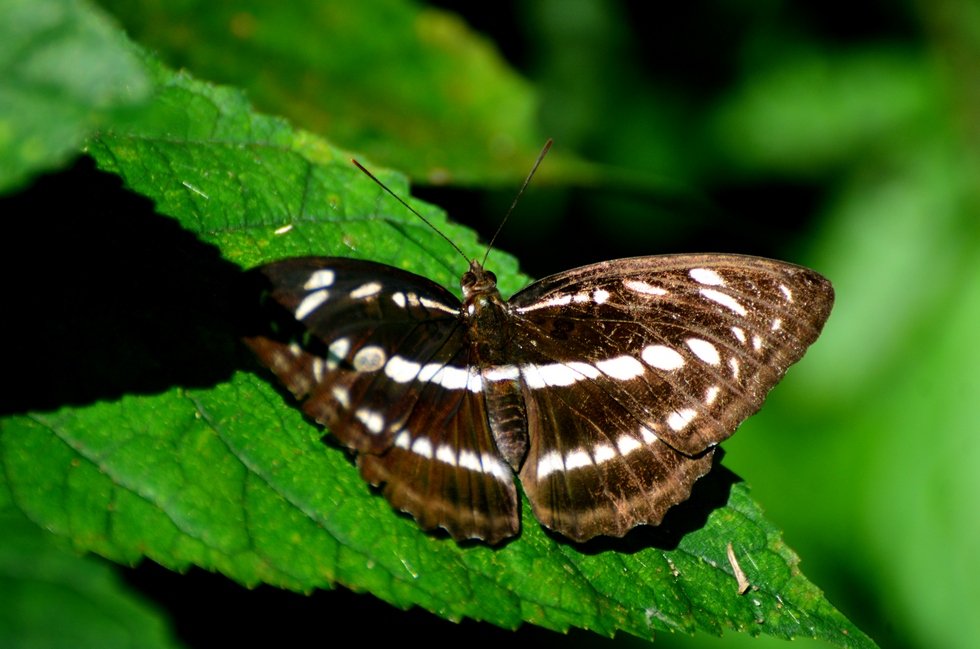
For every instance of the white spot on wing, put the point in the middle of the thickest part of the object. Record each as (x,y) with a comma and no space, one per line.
(486,464)
(400,370)
(341,395)
(627,444)
(438,306)
(786,293)
(502,373)
(337,352)
(724,299)
(679,420)
(600,296)
(279,361)
(371,419)
(365,290)
(399,299)
(496,468)
(470,460)
(577,460)
(310,303)
(422,446)
(532,377)
(560,300)
(647,435)
(662,357)
(403,439)
(295,349)
(369,359)
(706,276)
(581,297)
(549,463)
(558,374)
(320,279)
(428,371)
(584,369)
(603,453)
(733,363)
(711,394)
(739,334)
(643,288)
(446,455)
(474,381)
(704,350)
(776,324)
(451,378)
(621,367)
(756,343)
(318,369)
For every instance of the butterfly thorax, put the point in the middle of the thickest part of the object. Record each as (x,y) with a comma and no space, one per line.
(485,315)
(488,335)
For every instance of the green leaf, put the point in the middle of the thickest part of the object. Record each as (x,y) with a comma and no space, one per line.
(221,471)
(49,598)
(64,71)
(411,86)
(232,479)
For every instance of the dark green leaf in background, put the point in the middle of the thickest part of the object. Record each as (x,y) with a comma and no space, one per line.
(64,70)
(410,86)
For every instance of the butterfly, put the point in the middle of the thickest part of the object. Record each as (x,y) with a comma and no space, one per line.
(604,389)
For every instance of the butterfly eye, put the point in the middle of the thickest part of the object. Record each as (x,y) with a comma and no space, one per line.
(467,280)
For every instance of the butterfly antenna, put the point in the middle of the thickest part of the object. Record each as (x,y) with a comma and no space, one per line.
(547,145)
(409,207)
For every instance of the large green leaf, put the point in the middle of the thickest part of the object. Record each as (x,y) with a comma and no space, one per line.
(411,86)
(64,70)
(183,452)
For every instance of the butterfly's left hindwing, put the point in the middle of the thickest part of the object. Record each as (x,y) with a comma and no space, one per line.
(379,358)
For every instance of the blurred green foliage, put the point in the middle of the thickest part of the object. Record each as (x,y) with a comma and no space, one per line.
(51,598)
(839,135)
(65,71)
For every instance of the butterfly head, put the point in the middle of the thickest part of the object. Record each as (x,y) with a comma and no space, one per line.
(477,280)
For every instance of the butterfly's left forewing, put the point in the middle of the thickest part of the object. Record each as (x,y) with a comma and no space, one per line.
(634,369)
(377,355)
